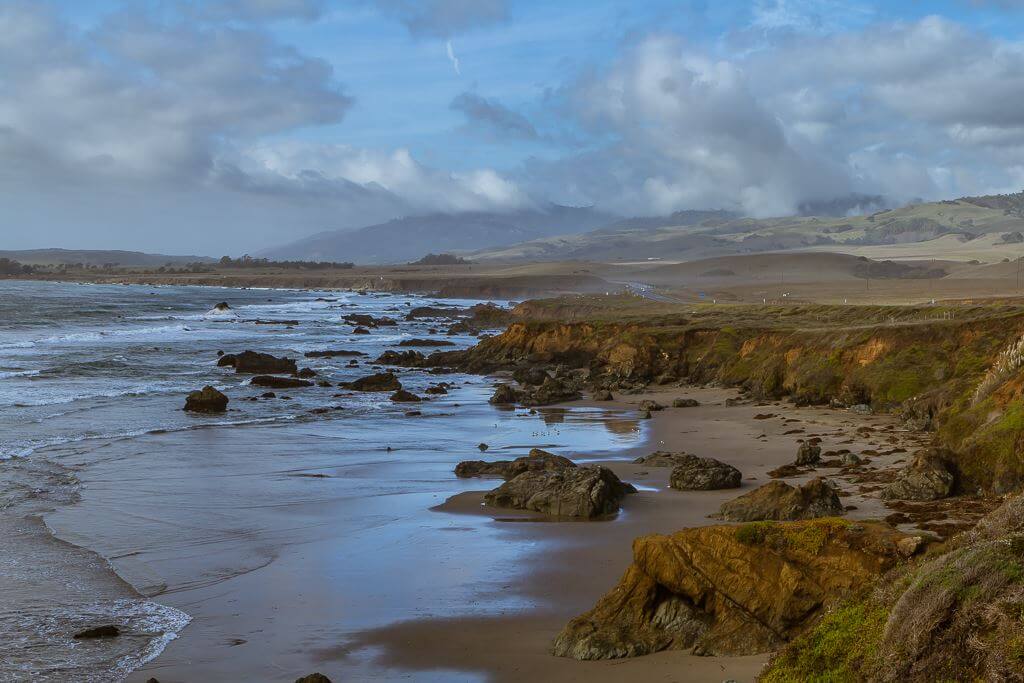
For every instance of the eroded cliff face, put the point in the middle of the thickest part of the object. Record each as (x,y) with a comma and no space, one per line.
(928,372)
(730,590)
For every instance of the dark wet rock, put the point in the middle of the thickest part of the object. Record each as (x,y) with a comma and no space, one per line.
(650,405)
(323,383)
(289,323)
(107,631)
(504,395)
(530,375)
(927,477)
(586,492)
(382,381)
(603,395)
(785,471)
(553,390)
(255,363)
(645,415)
(279,382)
(406,359)
(426,342)
(366,320)
(206,400)
(222,306)
(536,460)
(779,501)
(360,330)
(685,403)
(413,413)
(306,373)
(808,454)
(703,474)
(850,460)
(331,353)
(436,390)
(268,394)
(662,459)
(403,396)
(313,678)
(482,447)
(434,312)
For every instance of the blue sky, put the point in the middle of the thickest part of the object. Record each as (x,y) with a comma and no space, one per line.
(279,118)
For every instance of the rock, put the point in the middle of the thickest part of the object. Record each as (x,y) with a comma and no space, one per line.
(785,471)
(645,415)
(777,500)
(426,342)
(849,459)
(324,383)
(504,395)
(482,446)
(306,372)
(530,375)
(662,459)
(908,547)
(268,394)
(254,363)
(685,403)
(730,590)
(108,631)
(587,492)
(861,409)
(603,395)
(437,390)
(313,678)
(703,474)
(279,382)
(406,359)
(651,406)
(206,400)
(360,330)
(403,396)
(927,477)
(534,461)
(433,312)
(366,320)
(552,390)
(331,353)
(808,454)
(382,381)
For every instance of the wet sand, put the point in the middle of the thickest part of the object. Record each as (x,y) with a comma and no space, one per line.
(587,558)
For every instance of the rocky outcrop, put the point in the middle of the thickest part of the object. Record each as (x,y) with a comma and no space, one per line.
(703,474)
(530,375)
(426,342)
(552,390)
(727,590)
(927,477)
(255,363)
(662,459)
(279,382)
(777,500)
(808,454)
(585,492)
(366,320)
(685,403)
(403,396)
(331,353)
(381,381)
(405,359)
(504,394)
(536,460)
(206,400)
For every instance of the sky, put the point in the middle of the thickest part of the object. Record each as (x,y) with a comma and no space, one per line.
(227,126)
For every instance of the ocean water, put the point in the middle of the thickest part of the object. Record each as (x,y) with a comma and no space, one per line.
(219,528)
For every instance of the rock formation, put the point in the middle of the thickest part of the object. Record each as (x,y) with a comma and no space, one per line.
(777,500)
(255,363)
(589,491)
(381,381)
(703,474)
(927,477)
(206,400)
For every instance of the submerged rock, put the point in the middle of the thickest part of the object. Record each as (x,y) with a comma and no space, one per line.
(382,381)
(703,474)
(728,590)
(403,396)
(587,492)
(279,382)
(313,678)
(777,500)
(108,631)
(331,353)
(927,477)
(206,400)
(408,359)
(255,363)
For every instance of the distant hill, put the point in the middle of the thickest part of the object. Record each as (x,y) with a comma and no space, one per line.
(407,239)
(97,257)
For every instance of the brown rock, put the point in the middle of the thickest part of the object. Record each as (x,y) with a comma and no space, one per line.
(927,477)
(777,500)
(206,400)
(727,590)
(703,474)
(685,403)
(403,396)
(279,382)
(254,363)
(504,395)
(536,460)
(108,631)
(587,492)
(382,381)
(808,454)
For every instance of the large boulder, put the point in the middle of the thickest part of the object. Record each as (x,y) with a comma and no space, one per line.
(730,590)
(552,390)
(808,454)
(408,359)
(382,381)
(587,492)
(703,474)
(536,460)
(927,477)
(530,375)
(206,400)
(685,403)
(777,500)
(255,363)
(279,382)
(403,396)
(662,459)
(504,395)
(366,320)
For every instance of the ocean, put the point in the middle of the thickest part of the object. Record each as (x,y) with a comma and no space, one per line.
(254,540)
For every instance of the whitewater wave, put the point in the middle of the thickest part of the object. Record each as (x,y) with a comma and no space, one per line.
(100,335)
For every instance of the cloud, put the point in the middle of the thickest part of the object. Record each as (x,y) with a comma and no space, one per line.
(494,117)
(452,58)
(445,18)
(258,10)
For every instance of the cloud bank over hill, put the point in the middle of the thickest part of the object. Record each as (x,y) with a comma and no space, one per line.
(217,126)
